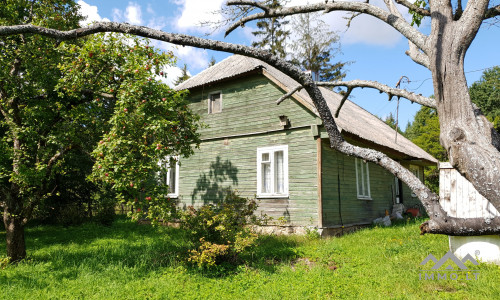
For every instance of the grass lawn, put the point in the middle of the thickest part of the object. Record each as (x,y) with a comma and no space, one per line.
(130,261)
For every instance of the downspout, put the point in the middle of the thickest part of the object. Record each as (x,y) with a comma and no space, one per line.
(320,181)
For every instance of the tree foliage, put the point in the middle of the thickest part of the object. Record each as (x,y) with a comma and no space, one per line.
(315,47)
(97,97)
(149,122)
(424,132)
(272,33)
(183,77)
(485,93)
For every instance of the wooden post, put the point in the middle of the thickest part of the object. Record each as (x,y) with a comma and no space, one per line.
(320,192)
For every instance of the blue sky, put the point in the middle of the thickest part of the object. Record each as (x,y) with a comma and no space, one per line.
(377,50)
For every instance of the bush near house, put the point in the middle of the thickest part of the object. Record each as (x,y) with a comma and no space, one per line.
(219,231)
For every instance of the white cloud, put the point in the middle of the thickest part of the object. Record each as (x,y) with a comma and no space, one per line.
(195,12)
(194,57)
(132,14)
(364,29)
(172,73)
(90,12)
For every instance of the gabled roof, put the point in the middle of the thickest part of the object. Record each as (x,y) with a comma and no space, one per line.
(352,118)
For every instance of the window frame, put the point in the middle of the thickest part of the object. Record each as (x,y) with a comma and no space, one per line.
(365,179)
(166,164)
(272,150)
(415,170)
(209,108)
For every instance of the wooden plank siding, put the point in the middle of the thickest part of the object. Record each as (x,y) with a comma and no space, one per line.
(410,200)
(459,198)
(352,210)
(227,158)
(248,105)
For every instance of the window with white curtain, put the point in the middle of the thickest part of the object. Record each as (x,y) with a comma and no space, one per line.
(272,171)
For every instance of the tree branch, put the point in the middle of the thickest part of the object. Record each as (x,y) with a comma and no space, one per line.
(470,23)
(492,12)
(421,11)
(290,93)
(392,8)
(346,95)
(417,56)
(249,3)
(396,22)
(383,89)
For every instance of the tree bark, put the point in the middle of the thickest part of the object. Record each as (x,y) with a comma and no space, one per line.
(13,215)
(14,228)
(471,142)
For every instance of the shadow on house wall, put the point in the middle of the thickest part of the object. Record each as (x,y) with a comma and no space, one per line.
(212,187)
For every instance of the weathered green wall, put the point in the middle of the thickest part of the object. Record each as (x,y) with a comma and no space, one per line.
(353,210)
(408,199)
(248,105)
(220,163)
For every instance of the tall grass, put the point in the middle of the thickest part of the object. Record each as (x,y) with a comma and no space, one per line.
(130,261)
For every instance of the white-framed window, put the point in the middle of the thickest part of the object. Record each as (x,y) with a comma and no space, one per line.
(214,102)
(362,179)
(272,171)
(171,175)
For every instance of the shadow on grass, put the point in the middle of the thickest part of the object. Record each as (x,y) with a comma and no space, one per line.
(67,251)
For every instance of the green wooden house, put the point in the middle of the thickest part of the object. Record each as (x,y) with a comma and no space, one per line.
(280,154)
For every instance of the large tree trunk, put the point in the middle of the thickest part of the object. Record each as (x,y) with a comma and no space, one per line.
(14,227)
(13,215)
(471,142)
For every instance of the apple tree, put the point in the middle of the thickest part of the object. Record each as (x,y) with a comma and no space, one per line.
(100,95)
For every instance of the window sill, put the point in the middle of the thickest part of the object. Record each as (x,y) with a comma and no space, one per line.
(172,196)
(365,198)
(272,196)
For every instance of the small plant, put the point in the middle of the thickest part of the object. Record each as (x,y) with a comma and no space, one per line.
(4,262)
(312,233)
(219,231)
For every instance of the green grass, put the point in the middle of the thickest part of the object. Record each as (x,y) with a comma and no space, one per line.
(129,261)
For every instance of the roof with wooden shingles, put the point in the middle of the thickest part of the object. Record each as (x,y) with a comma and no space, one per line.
(355,123)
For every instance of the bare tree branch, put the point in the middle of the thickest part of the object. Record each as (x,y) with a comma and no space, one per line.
(417,56)
(346,95)
(398,23)
(249,3)
(492,12)
(290,93)
(392,8)
(421,11)
(383,89)
(470,23)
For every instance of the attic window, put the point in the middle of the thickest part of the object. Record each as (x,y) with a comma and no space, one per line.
(215,103)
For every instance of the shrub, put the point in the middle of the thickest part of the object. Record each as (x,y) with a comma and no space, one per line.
(219,231)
